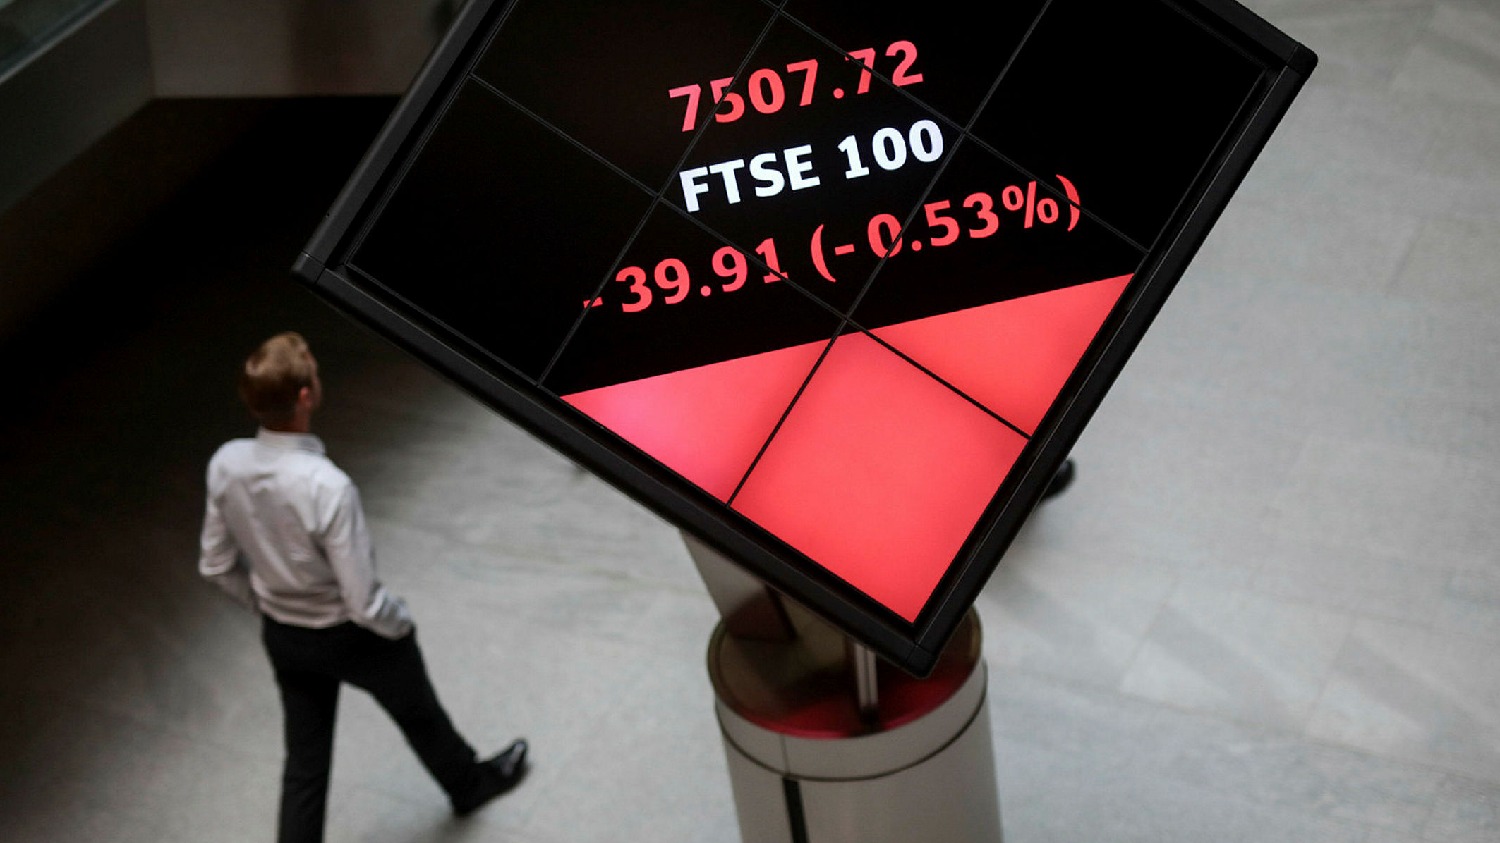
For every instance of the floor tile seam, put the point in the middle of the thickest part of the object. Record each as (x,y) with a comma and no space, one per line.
(1260,727)
(1462,133)
(1456,700)
(1188,709)
(1272,731)
(1238,594)
(1430,630)
(1318,92)
(1482,185)
(1164,704)
(1254,588)
(1128,665)
(1450,596)
(1436,99)
(1459,215)
(1330,674)
(1086,686)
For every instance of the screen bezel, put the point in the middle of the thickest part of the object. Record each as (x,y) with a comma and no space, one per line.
(913,646)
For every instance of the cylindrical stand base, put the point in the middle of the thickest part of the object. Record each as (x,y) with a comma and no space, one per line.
(808,767)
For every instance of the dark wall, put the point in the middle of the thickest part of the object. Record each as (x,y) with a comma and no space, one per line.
(179,205)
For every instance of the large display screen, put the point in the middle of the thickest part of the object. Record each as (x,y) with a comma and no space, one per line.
(834,285)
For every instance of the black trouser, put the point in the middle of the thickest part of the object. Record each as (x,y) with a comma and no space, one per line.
(309,665)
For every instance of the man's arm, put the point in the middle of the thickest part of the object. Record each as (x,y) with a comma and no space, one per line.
(218,558)
(346,543)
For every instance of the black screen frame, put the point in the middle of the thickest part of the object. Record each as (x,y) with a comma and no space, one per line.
(912,646)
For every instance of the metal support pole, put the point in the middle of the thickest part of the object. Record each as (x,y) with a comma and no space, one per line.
(865,666)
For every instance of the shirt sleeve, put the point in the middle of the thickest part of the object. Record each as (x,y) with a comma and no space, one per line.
(218,558)
(346,543)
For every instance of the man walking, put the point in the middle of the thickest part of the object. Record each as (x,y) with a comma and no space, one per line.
(284,534)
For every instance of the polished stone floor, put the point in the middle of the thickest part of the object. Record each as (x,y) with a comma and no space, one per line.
(1269,610)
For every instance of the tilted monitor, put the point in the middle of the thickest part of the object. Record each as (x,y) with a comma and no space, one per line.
(833,286)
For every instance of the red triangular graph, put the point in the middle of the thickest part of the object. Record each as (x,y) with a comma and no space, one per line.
(1013,357)
(709,422)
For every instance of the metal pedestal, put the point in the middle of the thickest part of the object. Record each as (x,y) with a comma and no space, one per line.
(813,761)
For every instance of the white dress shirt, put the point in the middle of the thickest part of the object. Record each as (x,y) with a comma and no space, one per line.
(284,533)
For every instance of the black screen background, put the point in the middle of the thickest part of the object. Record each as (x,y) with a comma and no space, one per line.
(553,163)
(541,180)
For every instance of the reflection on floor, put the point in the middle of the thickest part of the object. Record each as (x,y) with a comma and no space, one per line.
(1268,610)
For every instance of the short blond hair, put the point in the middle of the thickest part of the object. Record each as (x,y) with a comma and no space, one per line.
(274,376)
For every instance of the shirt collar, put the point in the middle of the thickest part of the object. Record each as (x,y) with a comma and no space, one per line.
(290,441)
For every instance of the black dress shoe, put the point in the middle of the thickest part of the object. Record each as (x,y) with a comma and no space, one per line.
(496,776)
(1061,480)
